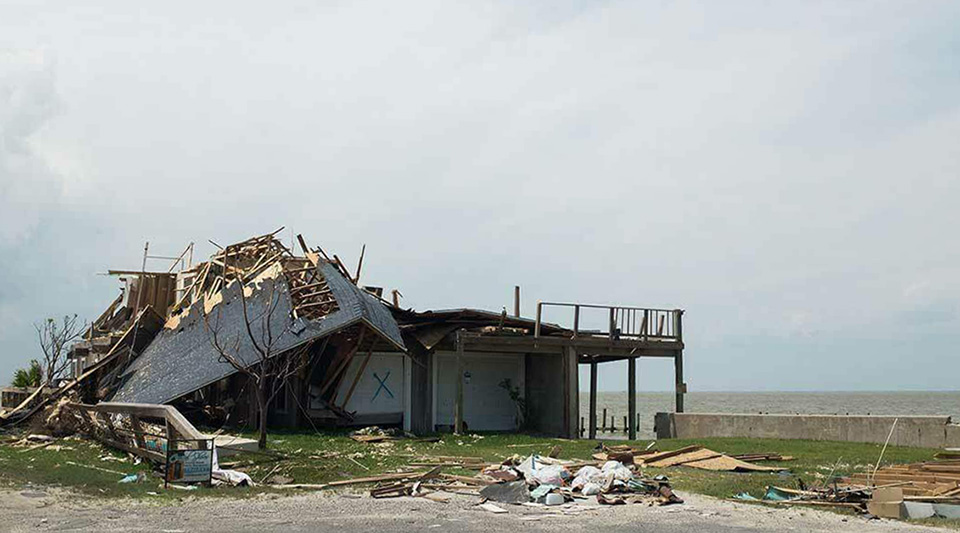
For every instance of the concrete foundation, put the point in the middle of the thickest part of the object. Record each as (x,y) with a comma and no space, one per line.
(916,431)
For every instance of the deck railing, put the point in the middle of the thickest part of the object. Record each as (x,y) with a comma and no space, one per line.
(637,323)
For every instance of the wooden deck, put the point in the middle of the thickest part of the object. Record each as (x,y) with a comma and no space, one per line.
(632,333)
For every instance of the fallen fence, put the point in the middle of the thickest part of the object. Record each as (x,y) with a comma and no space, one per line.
(144,429)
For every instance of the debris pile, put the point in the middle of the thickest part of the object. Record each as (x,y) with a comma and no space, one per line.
(534,480)
(373,434)
(553,481)
(917,490)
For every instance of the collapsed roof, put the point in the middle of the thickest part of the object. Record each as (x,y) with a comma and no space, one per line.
(293,300)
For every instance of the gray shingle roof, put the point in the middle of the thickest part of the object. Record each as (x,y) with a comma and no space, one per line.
(182,360)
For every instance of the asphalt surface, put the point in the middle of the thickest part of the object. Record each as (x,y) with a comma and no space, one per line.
(50,510)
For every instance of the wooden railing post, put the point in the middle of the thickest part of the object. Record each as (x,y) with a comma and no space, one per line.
(516,301)
(137,430)
(536,330)
(613,322)
(678,324)
(576,320)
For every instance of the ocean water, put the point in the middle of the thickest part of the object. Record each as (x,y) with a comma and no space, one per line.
(860,403)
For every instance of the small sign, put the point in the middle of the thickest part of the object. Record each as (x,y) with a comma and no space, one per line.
(187,464)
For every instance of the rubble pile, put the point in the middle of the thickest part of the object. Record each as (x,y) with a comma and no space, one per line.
(916,490)
(534,480)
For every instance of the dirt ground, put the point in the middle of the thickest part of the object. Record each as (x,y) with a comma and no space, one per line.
(53,510)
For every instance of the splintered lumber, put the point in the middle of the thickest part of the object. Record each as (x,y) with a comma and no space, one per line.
(394,489)
(433,472)
(372,438)
(404,487)
(931,480)
(353,481)
(468,480)
(492,508)
(372,479)
(814,503)
(444,458)
(449,464)
(754,457)
(666,455)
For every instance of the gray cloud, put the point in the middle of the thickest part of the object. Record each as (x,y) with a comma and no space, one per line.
(787,173)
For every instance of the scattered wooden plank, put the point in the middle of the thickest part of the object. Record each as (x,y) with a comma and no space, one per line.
(492,508)
(665,455)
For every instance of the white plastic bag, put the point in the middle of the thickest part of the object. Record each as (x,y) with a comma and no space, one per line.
(619,471)
(587,474)
(590,489)
(550,475)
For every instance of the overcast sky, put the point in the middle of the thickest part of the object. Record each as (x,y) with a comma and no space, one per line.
(787,172)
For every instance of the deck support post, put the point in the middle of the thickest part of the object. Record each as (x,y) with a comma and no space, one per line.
(571,392)
(458,406)
(593,400)
(632,398)
(680,387)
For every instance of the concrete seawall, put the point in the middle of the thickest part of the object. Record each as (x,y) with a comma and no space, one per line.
(917,431)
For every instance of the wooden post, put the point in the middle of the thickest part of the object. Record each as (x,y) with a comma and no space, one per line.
(571,388)
(593,400)
(679,385)
(625,425)
(458,407)
(678,324)
(581,427)
(604,427)
(137,430)
(536,327)
(632,398)
(613,323)
(516,301)
(564,374)
(576,320)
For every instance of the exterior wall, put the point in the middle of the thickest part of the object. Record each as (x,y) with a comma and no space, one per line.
(917,431)
(486,405)
(544,393)
(380,389)
(418,417)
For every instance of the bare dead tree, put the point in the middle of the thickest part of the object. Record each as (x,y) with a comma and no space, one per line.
(269,371)
(55,338)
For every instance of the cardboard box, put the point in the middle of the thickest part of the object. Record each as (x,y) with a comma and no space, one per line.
(887,503)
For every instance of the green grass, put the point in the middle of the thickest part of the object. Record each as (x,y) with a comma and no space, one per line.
(328,456)
(72,463)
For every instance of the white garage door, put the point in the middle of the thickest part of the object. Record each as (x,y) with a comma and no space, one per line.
(487,405)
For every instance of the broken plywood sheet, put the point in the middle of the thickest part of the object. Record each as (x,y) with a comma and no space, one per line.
(729,464)
(705,459)
(682,458)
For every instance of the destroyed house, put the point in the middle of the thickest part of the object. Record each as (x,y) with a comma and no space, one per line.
(182,338)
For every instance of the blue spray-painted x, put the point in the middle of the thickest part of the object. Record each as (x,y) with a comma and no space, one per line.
(382,386)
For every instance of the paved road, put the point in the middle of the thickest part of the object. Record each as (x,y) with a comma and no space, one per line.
(53,511)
